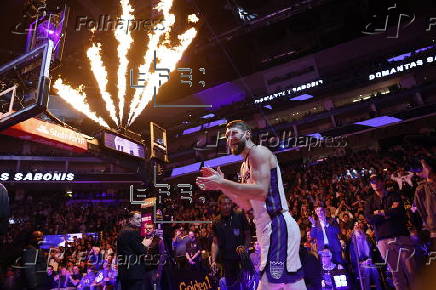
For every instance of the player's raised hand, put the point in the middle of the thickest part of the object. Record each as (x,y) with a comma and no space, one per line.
(211,179)
(207,171)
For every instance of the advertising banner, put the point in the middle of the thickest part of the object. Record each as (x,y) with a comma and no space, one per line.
(47,133)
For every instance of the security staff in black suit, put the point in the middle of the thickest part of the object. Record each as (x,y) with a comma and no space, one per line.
(231,239)
(131,254)
(4,210)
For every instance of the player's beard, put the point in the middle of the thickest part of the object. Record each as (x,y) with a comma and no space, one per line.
(239,148)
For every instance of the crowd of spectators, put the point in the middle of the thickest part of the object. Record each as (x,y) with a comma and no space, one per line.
(340,187)
(338,191)
(337,187)
(87,260)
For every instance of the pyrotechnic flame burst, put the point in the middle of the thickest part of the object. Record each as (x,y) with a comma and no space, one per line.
(77,99)
(159,41)
(193,18)
(124,42)
(100,75)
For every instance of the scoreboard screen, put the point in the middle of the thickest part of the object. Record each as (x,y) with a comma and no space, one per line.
(122,144)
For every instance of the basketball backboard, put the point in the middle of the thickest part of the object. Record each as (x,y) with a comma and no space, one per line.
(24,86)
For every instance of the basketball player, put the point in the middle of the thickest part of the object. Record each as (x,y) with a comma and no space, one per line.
(261,188)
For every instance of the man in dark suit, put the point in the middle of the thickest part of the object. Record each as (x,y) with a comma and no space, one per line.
(4,210)
(231,238)
(155,258)
(326,232)
(131,252)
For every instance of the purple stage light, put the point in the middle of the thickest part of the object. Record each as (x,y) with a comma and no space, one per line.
(214,123)
(400,57)
(208,116)
(302,97)
(204,126)
(47,29)
(379,121)
(219,161)
(107,201)
(424,49)
(409,54)
(268,107)
(186,169)
(191,130)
